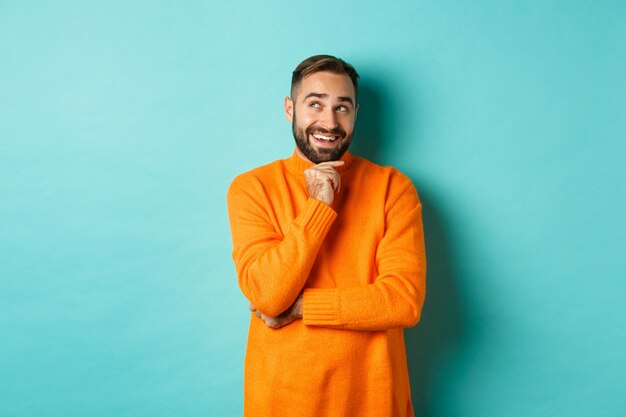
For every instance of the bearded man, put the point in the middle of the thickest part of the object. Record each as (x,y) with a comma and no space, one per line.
(329,250)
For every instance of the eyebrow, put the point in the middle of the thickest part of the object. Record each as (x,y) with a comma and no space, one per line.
(321,95)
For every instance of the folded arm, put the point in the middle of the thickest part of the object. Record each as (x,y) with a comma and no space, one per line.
(271,268)
(396,297)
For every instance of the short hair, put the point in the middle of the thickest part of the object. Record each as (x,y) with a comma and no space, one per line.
(318,63)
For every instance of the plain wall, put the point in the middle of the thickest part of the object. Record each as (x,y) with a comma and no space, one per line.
(123,123)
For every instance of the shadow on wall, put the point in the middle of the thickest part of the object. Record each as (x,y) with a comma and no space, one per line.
(368,132)
(434,343)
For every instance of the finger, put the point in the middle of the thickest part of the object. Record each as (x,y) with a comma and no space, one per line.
(324,168)
(330,163)
(321,172)
(336,181)
(333,178)
(251,307)
(333,183)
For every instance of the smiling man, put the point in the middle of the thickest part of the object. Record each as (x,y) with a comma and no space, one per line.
(329,250)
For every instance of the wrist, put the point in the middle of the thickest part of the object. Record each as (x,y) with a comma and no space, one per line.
(321,198)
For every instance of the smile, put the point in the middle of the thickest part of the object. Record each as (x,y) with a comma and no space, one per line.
(325,138)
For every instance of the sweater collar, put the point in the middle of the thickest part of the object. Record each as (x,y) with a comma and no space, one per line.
(296,164)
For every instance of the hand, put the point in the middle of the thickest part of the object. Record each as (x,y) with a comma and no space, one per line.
(292,313)
(322,181)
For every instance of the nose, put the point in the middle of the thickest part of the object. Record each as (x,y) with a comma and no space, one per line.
(328,118)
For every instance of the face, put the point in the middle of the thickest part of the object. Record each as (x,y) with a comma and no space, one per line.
(322,113)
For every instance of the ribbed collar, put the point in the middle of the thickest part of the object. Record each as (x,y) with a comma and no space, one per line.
(296,164)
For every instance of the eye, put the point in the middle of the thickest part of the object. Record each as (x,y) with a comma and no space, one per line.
(343,109)
(314,104)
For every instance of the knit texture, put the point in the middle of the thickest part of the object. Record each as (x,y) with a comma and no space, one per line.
(361,266)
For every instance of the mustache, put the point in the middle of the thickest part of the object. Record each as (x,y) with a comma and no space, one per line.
(315,129)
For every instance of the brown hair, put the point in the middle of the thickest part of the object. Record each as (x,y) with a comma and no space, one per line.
(319,63)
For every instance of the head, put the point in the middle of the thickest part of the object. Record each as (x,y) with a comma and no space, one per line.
(322,108)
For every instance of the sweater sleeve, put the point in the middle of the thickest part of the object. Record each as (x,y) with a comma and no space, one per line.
(272,268)
(396,297)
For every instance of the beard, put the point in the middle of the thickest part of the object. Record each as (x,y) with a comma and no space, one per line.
(317,155)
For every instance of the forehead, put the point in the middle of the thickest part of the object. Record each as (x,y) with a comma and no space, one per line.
(324,82)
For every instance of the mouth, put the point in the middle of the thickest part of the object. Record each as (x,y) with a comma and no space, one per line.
(324,139)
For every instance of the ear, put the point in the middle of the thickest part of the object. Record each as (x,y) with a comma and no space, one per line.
(289,109)
(356,111)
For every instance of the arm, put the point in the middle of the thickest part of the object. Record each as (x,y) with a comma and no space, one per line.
(396,297)
(272,268)
(292,313)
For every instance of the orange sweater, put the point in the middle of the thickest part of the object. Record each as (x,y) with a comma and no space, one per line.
(361,264)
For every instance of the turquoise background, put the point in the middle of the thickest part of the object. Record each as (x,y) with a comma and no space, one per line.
(123,123)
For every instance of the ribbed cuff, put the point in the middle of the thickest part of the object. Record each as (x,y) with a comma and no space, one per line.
(319,306)
(317,217)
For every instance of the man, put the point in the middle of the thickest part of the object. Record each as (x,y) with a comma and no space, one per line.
(329,251)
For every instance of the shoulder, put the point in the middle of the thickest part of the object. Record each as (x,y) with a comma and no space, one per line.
(394,178)
(255,177)
(396,185)
(256,186)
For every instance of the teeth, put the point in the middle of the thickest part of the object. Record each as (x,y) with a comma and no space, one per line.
(326,138)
